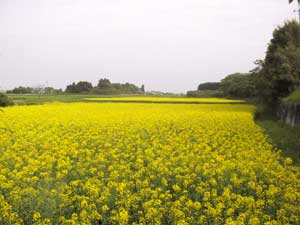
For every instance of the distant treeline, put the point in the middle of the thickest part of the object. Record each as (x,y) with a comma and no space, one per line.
(34,90)
(104,87)
(237,85)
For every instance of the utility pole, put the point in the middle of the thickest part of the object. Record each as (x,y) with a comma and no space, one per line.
(298,11)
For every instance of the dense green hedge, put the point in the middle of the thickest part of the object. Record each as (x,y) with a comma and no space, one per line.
(4,100)
(205,94)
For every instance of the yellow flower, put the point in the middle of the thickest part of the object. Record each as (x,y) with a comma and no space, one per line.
(176,188)
(105,208)
(89,163)
(36,216)
(123,216)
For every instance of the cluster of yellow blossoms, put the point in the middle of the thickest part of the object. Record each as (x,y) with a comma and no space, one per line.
(118,163)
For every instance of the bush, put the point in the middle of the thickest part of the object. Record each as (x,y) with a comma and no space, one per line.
(238,85)
(4,100)
(278,74)
(80,87)
(209,86)
(21,90)
(264,112)
(284,137)
(205,94)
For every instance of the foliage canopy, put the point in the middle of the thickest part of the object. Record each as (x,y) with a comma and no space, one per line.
(279,73)
(238,85)
(4,101)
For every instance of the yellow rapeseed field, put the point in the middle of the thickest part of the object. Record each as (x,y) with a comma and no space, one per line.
(92,163)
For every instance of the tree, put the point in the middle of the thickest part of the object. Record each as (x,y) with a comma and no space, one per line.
(104,83)
(84,86)
(71,88)
(205,94)
(290,1)
(279,73)
(80,87)
(105,87)
(238,85)
(209,86)
(143,88)
(21,90)
(4,101)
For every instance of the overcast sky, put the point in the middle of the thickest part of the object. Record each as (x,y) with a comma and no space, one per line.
(168,45)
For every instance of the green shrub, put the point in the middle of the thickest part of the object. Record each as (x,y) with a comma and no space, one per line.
(205,94)
(238,85)
(4,100)
(294,97)
(286,138)
(264,112)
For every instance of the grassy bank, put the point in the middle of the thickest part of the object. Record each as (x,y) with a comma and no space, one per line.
(280,134)
(284,137)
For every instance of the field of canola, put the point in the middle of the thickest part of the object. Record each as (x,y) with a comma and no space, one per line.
(91,163)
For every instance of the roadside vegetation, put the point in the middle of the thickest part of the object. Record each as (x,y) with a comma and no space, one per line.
(284,137)
(276,80)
